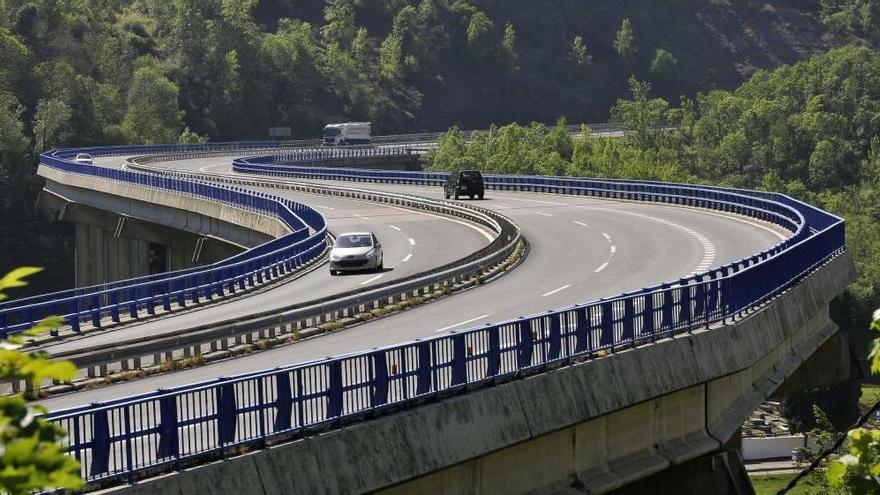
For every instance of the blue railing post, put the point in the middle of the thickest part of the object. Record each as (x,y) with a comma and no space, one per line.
(526,347)
(459,359)
(493,361)
(283,401)
(168,436)
(100,443)
(606,325)
(423,376)
(629,313)
(334,390)
(380,379)
(668,302)
(227,413)
(582,330)
(555,336)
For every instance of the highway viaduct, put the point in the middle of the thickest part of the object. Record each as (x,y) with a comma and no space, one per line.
(593,424)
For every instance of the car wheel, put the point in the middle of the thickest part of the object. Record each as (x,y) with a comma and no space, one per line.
(380,266)
(471,196)
(333,273)
(456,196)
(445,196)
(480,196)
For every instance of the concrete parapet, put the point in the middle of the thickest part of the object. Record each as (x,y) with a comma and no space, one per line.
(591,427)
(200,216)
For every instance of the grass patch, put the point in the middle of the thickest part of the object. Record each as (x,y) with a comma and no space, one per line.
(870,394)
(770,484)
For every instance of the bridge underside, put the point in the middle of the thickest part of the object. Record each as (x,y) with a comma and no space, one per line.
(592,427)
(118,237)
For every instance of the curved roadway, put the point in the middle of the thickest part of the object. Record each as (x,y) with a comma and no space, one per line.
(582,249)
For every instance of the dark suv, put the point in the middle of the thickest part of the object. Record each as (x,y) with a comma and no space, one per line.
(464,183)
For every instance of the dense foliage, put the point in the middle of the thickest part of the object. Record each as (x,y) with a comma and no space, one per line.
(31,458)
(811,130)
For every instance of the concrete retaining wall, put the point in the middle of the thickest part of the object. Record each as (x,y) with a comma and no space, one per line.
(756,449)
(592,426)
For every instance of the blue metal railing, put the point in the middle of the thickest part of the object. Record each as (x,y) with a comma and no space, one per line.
(167,429)
(117,300)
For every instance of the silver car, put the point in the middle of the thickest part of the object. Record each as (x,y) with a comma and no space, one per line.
(356,251)
(84,158)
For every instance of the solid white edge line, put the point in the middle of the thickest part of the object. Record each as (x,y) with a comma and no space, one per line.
(554,291)
(395,227)
(601,267)
(464,322)
(407,258)
(377,277)
(543,214)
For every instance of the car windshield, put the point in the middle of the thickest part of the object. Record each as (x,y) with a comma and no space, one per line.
(83,156)
(470,174)
(354,241)
(331,132)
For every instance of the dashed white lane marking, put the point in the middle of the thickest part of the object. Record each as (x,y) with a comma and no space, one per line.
(554,291)
(611,251)
(412,242)
(361,217)
(486,234)
(324,207)
(543,214)
(395,227)
(407,258)
(464,322)
(536,201)
(377,277)
(582,224)
(708,248)
(206,168)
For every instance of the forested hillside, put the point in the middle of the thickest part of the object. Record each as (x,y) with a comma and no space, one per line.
(80,72)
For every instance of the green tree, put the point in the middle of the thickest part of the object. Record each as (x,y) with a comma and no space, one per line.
(508,46)
(478,31)
(645,119)
(339,18)
(31,458)
(579,57)
(664,66)
(153,114)
(52,124)
(625,43)
(390,56)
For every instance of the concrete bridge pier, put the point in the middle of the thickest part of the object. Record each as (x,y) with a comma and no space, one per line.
(110,246)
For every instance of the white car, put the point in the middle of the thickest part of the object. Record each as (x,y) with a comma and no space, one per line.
(84,158)
(356,251)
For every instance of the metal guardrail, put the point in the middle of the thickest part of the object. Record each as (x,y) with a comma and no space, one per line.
(276,258)
(168,429)
(271,324)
